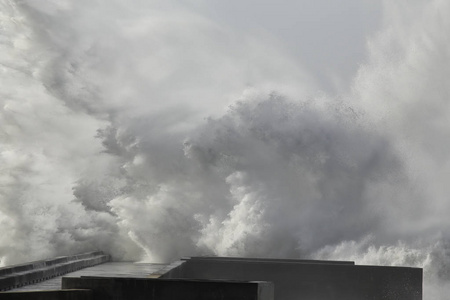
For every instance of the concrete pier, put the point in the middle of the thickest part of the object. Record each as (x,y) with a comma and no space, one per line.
(231,278)
(308,280)
(168,289)
(24,274)
(108,269)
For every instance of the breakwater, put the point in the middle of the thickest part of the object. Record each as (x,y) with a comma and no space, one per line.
(19,275)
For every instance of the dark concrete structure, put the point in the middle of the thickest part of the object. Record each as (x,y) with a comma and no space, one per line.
(278,260)
(165,289)
(308,280)
(24,274)
(228,278)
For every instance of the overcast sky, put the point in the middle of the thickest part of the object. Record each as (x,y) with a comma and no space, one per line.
(327,37)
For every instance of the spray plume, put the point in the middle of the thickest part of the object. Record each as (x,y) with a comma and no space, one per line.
(151,131)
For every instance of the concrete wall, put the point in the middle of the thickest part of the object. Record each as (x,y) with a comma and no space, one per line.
(197,278)
(245,259)
(170,289)
(307,281)
(49,295)
(173,270)
(24,274)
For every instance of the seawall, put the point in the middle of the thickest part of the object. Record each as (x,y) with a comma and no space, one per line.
(308,280)
(24,274)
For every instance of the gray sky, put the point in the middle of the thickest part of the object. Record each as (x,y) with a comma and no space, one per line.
(327,37)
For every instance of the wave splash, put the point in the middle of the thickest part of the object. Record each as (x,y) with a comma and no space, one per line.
(134,130)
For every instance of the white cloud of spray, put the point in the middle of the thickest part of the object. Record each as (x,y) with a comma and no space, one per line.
(115,134)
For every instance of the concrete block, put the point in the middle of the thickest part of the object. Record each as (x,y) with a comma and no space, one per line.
(173,270)
(58,260)
(311,281)
(156,289)
(7,282)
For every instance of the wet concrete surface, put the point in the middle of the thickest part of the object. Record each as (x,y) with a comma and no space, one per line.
(110,269)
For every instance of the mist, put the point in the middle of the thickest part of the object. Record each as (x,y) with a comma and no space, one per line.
(158,129)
